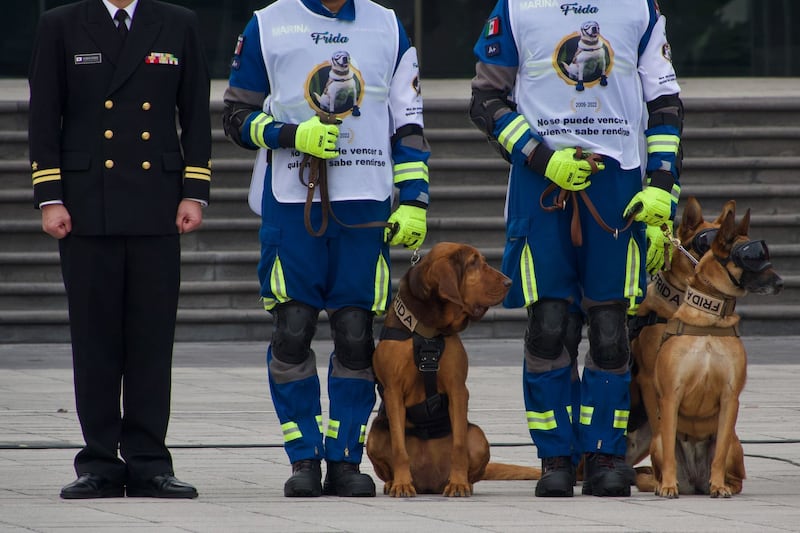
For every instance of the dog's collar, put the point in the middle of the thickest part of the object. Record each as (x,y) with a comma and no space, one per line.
(721,307)
(667,291)
(409,321)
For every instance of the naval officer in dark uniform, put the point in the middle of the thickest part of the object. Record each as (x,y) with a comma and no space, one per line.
(117,182)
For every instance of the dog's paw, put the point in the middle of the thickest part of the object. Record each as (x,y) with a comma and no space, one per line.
(670,492)
(399,490)
(458,490)
(720,491)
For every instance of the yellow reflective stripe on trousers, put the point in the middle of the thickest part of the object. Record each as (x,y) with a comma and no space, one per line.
(632,264)
(569,413)
(333,429)
(382,283)
(542,421)
(587,411)
(513,132)
(663,143)
(291,431)
(362,436)
(277,285)
(257,127)
(621,418)
(415,170)
(529,290)
(319,423)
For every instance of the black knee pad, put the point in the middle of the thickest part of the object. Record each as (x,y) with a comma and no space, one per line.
(294,328)
(353,342)
(608,336)
(547,328)
(573,334)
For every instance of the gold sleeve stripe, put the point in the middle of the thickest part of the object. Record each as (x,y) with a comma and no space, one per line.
(49,174)
(199,170)
(197,173)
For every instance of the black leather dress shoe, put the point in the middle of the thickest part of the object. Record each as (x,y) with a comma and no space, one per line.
(92,486)
(161,486)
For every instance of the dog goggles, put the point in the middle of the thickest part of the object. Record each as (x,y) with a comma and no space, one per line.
(701,242)
(752,256)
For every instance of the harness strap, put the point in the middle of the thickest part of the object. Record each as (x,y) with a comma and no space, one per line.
(637,323)
(427,352)
(677,327)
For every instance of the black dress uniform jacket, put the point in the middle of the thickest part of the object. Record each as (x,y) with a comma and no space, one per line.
(102,117)
(104,140)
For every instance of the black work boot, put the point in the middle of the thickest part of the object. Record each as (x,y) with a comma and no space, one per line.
(305,481)
(607,475)
(345,479)
(558,478)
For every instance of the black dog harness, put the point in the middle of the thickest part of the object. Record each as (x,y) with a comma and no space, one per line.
(430,418)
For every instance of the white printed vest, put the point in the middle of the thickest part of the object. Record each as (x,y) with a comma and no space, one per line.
(578,82)
(319,63)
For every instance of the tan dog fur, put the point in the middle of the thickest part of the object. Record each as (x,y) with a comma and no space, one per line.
(451,286)
(698,379)
(644,347)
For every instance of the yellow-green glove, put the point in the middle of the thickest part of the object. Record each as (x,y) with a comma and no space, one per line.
(563,167)
(409,226)
(654,206)
(656,241)
(317,139)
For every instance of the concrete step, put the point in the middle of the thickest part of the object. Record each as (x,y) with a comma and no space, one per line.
(459,171)
(481,200)
(731,141)
(222,325)
(232,234)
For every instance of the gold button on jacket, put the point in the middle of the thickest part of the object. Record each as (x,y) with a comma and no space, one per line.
(109,163)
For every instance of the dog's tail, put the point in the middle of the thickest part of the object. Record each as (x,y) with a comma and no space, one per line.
(504,471)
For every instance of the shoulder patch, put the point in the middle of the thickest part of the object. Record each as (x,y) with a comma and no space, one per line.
(492,49)
(239,44)
(493,27)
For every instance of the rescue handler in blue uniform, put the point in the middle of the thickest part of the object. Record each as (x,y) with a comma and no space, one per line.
(117,186)
(350,60)
(583,101)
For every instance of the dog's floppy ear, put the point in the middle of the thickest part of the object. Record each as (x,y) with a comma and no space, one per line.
(418,285)
(449,273)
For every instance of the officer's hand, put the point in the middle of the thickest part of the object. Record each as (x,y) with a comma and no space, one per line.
(56,221)
(564,168)
(190,216)
(318,139)
(653,206)
(409,226)
(657,242)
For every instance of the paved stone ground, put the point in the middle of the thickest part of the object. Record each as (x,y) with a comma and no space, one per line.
(225,439)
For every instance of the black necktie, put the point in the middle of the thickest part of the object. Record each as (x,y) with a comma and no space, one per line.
(122,28)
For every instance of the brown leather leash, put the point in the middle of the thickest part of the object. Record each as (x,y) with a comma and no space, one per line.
(564,196)
(318,180)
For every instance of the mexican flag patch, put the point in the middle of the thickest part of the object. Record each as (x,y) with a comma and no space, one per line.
(493,27)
